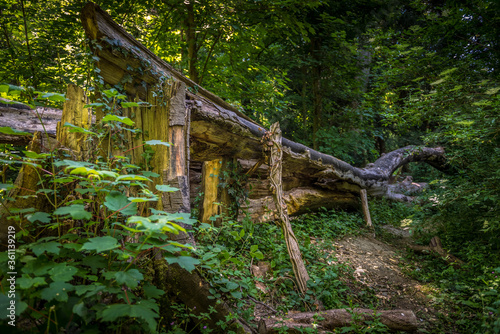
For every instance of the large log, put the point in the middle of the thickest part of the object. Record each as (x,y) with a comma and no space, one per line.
(397,320)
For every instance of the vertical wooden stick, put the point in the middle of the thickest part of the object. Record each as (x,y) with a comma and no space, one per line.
(272,143)
(366,209)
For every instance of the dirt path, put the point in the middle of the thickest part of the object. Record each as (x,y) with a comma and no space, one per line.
(376,266)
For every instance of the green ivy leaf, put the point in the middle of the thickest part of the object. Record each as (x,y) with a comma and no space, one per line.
(101,244)
(77,211)
(115,201)
(186,262)
(130,278)
(57,290)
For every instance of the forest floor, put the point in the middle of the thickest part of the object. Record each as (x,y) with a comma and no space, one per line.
(378,264)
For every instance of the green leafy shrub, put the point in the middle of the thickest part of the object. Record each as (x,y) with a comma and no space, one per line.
(81,263)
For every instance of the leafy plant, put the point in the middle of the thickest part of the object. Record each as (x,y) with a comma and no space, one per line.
(82,258)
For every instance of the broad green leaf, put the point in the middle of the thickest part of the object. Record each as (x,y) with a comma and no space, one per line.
(10,131)
(101,244)
(6,186)
(107,173)
(157,142)
(152,291)
(236,294)
(116,201)
(34,155)
(186,262)
(110,92)
(142,199)
(95,104)
(54,97)
(150,174)
(77,129)
(77,211)
(232,285)
(121,119)
(128,228)
(72,164)
(178,244)
(81,310)
(26,282)
(5,302)
(258,255)
(58,291)
(138,219)
(4,88)
(62,272)
(42,217)
(82,289)
(132,177)
(51,247)
(129,104)
(83,171)
(174,225)
(130,278)
(144,312)
(165,188)
(95,262)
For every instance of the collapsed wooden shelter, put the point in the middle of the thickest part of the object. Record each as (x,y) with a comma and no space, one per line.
(206,134)
(204,129)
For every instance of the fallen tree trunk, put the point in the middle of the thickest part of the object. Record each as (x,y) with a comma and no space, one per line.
(219,130)
(397,320)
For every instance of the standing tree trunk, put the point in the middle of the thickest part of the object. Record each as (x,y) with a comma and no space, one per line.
(191,41)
